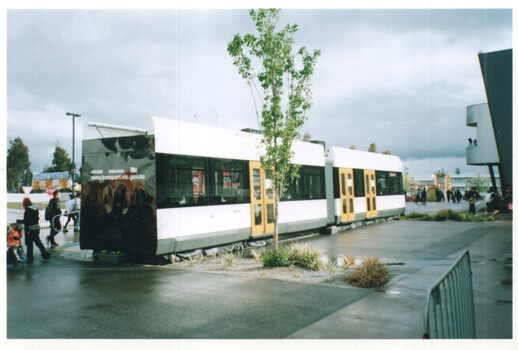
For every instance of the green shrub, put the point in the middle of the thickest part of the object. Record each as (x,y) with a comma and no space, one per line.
(302,254)
(276,257)
(418,216)
(459,216)
(413,215)
(442,215)
(491,217)
(477,218)
(448,214)
(371,273)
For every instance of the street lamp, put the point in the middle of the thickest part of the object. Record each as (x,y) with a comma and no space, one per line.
(73,168)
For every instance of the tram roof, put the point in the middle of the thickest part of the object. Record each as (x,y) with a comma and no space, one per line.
(349,158)
(179,137)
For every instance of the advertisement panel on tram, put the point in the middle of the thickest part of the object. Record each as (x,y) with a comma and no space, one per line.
(118,211)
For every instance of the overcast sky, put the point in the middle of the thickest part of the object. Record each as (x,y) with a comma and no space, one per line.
(399,78)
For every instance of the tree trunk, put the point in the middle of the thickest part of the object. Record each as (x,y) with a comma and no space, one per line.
(276,224)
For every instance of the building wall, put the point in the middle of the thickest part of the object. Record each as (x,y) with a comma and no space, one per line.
(497,71)
(457,182)
(482,151)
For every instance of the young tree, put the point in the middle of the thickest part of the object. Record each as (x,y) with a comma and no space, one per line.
(480,182)
(282,72)
(61,161)
(17,165)
(373,148)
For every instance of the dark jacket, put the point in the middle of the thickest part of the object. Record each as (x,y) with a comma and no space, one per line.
(54,207)
(473,196)
(31,218)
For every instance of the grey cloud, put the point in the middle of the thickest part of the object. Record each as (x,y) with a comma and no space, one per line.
(399,78)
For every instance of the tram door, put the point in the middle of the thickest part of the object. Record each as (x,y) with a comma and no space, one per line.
(346,194)
(370,193)
(262,201)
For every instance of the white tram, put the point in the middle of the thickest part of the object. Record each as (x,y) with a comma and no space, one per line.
(180,186)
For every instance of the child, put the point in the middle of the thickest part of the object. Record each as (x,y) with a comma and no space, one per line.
(14,244)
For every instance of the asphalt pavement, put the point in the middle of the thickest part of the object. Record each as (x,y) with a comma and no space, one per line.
(72,297)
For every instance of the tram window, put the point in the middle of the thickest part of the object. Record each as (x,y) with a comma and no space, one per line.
(308,185)
(389,183)
(349,184)
(257,183)
(258,214)
(229,184)
(381,185)
(292,191)
(312,182)
(186,181)
(270,215)
(336,183)
(359,186)
(268,184)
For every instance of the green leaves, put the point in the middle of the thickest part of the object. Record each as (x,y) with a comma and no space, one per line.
(280,72)
(61,160)
(17,161)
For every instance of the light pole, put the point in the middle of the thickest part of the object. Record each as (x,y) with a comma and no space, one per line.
(73,168)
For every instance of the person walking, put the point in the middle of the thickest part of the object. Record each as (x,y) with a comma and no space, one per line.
(458,195)
(453,195)
(55,224)
(418,196)
(70,206)
(472,198)
(423,195)
(31,219)
(77,219)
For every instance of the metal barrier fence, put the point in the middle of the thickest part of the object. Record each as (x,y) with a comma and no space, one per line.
(63,218)
(449,309)
(45,223)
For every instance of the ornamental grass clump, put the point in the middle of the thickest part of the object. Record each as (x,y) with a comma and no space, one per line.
(302,254)
(371,273)
(331,268)
(227,260)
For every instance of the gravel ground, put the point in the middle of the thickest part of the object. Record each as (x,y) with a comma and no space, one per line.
(251,268)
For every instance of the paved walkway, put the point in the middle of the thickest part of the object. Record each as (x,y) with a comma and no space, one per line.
(395,311)
(434,207)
